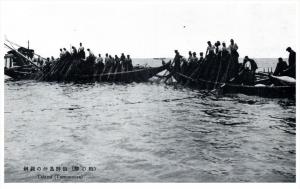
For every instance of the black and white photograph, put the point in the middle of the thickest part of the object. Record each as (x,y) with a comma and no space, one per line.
(149,91)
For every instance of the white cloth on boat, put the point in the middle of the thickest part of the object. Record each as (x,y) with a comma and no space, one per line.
(286,79)
(260,85)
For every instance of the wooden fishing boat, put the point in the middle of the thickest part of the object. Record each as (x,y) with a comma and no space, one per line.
(19,65)
(282,80)
(138,74)
(270,91)
(20,72)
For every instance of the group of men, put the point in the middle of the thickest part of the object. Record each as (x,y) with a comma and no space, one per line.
(221,51)
(115,64)
(108,64)
(80,53)
(217,50)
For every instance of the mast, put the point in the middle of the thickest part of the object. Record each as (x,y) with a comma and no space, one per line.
(24,47)
(22,56)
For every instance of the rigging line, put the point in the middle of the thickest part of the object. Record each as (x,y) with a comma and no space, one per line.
(23,47)
(192,74)
(219,70)
(22,56)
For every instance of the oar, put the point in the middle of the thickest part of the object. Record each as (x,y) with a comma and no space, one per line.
(263,74)
(230,81)
(171,72)
(164,75)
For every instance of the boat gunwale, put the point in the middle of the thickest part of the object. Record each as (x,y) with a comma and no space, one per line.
(198,81)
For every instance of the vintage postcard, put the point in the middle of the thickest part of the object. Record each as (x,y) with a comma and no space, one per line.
(149,91)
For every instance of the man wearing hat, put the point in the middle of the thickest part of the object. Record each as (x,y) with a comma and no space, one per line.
(81,52)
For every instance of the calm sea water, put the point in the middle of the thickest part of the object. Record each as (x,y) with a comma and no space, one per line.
(145,132)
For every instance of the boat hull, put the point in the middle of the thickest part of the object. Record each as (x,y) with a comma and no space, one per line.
(19,74)
(136,75)
(262,91)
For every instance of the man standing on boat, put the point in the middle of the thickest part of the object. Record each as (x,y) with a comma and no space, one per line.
(106,63)
(66,53)
(194,60)
(61,54)
(129,63)
(81,53)
(106,59)
(99,66)
(218,48)
(91,57)
(111,63)
(210,51)
(99,59)
(233,51)
(291,71)
(74,52)
(91,54)
(201,59)
(123,62)
(190,57)
(176,61)
(224,50)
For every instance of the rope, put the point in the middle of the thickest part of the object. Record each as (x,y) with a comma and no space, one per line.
(219,69)
(24,47)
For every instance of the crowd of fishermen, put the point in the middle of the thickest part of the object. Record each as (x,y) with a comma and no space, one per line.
(107,64)
(217,64)
(221,63)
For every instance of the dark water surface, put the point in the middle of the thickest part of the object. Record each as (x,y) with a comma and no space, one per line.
(145,132)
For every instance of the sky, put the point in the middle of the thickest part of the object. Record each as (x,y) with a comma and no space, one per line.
(151,29)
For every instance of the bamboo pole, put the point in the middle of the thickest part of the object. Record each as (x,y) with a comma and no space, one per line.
(23,56)
(22,46)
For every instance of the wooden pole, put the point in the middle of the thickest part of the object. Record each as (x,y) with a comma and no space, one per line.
(21,46)
(23,56)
